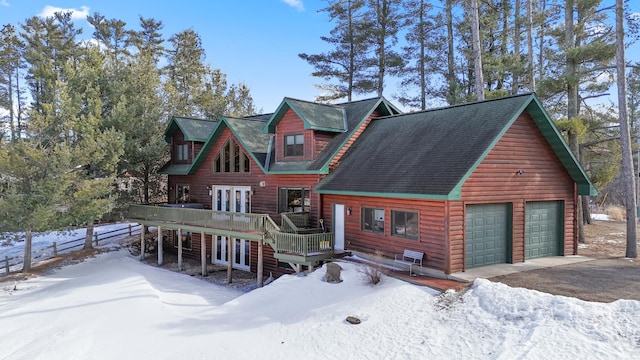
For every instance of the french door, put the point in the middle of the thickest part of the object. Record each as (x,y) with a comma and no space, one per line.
(231,199)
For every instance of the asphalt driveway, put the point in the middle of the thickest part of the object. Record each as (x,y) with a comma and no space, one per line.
(603,280)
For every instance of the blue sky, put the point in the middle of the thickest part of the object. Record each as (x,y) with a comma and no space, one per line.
(256,42)
(253,41)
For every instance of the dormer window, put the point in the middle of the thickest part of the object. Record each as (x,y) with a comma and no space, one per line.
(294,145)
(231,159)
(182,152)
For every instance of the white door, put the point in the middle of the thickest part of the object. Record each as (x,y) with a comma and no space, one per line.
(338,225)
(241,247)
(231,199)
(221,202)
(220,248)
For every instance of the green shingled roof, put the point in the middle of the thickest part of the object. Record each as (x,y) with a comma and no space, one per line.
(175,169)
(315,116)
(356,113)
(192,128)
(247,130)
(430,154)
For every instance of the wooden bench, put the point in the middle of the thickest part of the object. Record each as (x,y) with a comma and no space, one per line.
(409,258)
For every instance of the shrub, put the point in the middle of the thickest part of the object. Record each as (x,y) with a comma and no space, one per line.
(373,273)
(615,212)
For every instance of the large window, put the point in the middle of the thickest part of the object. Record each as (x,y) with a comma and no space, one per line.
(182,194)
(293,200)
(231,158)
(404,224)
(373,220)
(186,239)
(294,145)
(182,152)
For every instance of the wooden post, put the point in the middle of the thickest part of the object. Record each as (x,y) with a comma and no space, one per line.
(179,249)
(229,259)
(203,254)
(260,263)
(6,264)
(129,229)
(142,243)
(96,238)
(55,249)
(160,243)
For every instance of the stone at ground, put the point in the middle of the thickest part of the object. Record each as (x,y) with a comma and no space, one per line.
(333,273)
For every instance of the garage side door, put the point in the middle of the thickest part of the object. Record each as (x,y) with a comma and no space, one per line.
(486,234)
(543,221)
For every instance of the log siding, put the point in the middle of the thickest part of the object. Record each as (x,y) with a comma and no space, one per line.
(498,180)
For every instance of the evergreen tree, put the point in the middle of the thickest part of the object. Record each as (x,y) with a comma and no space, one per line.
(38,175)
(342,68)
(384,18)
(11,93)
(625,139)
(422,54)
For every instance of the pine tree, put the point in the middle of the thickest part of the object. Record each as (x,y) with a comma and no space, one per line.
(11,67)
(384,18)
(33,201)
(422,54)
(625,138)
(342,68)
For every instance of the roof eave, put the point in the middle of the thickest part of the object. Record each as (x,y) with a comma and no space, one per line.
(387,195)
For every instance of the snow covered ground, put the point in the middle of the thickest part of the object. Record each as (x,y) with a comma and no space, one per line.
(13,244)
(114,307)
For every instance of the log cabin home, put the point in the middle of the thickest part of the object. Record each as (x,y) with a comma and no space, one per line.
(468,185)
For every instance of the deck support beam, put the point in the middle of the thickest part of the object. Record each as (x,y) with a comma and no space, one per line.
(179,249)
(260,263)
(142,231)
(160,250)
(203,254)
(229,259)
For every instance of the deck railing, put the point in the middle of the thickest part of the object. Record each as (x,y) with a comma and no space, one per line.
(299,219)
(197,217)
(303,244)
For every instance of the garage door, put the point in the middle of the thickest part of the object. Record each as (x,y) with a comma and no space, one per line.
(486,234)
(543,221)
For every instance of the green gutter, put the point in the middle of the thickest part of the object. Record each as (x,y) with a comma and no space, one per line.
(389,195)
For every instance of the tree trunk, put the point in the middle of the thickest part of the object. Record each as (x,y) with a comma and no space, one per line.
(572,101)
(516,48)
(628,175)
(88,237)
(477,54)
(451,67)
(541,33)
(531,65)
(26,265)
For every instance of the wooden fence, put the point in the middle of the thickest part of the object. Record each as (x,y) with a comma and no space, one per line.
(12,264)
